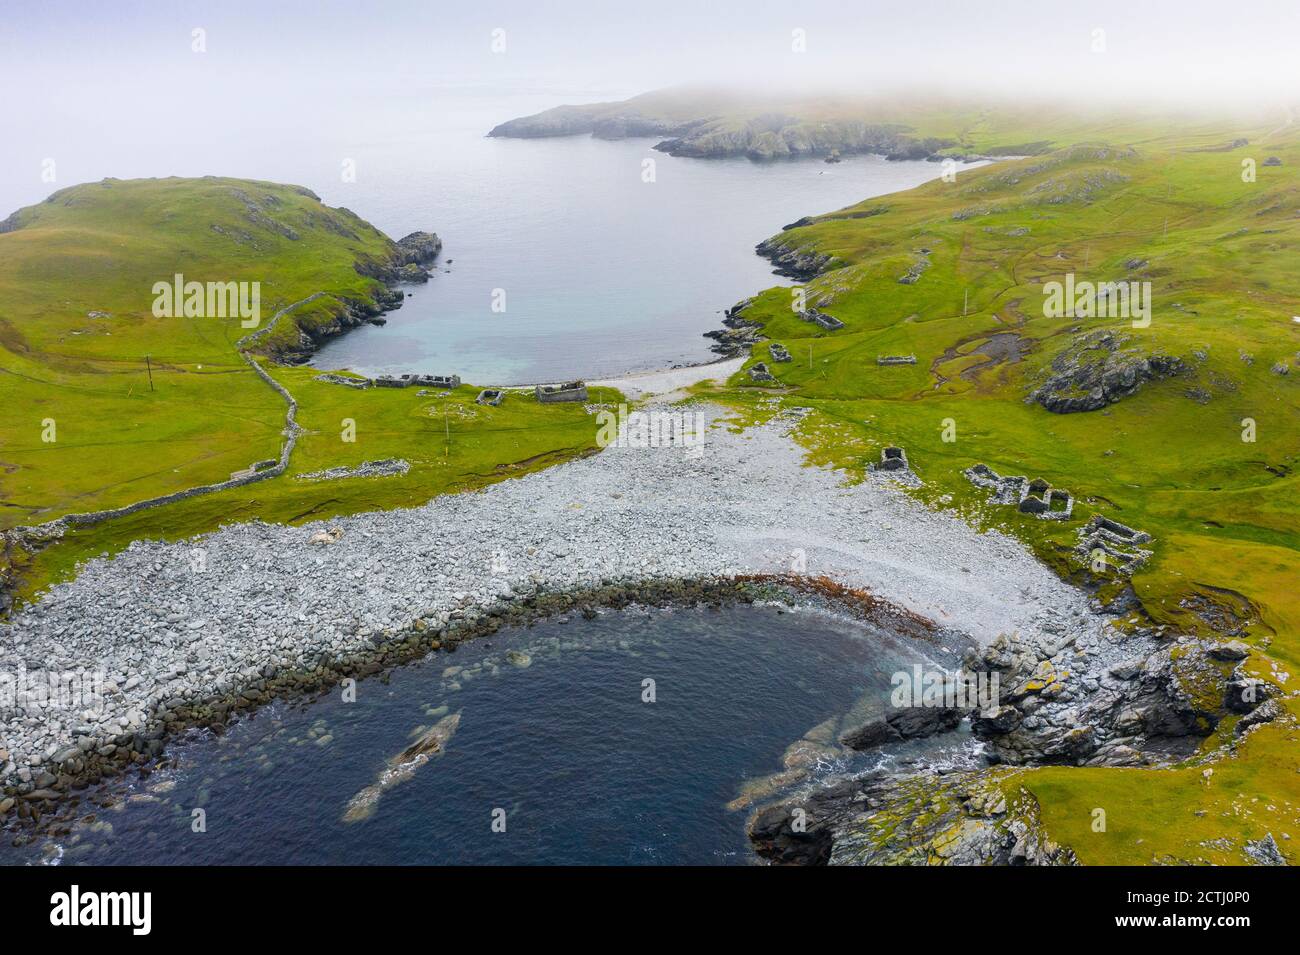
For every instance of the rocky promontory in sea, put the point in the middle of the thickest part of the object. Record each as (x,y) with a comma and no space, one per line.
(711,124)
(769,136)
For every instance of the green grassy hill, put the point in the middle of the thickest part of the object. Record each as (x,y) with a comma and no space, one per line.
(76,326)
(1220,255)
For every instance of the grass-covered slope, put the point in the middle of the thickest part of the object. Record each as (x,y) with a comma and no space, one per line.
(1168,458)
(76,326)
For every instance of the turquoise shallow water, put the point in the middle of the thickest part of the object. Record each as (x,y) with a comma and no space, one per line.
(602,272)
(582,769)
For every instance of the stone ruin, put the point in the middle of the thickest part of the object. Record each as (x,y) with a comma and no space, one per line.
(446,382)
(895,359)
(778,352)
(344,380)
(917,268)
(828,322)
(569,391)
(1035,497)
(892,459)
(1005,490)
(1060,505)
(1117,541)
(490,396)
(257,467)
(760,373)
(385,468)
(1042,500)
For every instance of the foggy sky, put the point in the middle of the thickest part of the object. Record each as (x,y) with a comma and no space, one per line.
(88,81)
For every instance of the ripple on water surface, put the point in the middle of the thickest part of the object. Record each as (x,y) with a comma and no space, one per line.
(545,727)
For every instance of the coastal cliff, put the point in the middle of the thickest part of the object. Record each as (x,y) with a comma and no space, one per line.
(713,124)
(764,137)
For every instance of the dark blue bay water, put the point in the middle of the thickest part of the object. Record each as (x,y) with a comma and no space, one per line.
(585,771)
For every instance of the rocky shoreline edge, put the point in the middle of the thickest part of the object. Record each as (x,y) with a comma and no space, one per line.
(47,799)
(1149,710)
(409,264)
(767,138)
(738,334)
(276,613)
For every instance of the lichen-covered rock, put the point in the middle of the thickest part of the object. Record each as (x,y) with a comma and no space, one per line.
(1096,369)
(418,248)
(996,722)
(802,264)
(959,819)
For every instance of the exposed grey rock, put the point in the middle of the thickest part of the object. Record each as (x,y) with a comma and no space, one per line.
(996,722)
(1233,650)
(1265,851)
(909,722)
(1095,370)
(792,261)
(898,819)
(384,468)
(1266,712)
(418,248)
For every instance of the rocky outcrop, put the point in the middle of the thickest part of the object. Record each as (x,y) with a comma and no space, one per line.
(801,264)
(736,339)
(912,722)
(738,334)
(602,120)
(921,819)
(1066,703)
(778,136)
(1096,369)
(765,136)
(409,261)
(418,248)
(1063,699)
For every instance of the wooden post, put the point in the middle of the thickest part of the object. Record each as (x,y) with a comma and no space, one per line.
(149,366)
(446,455)
(965,303)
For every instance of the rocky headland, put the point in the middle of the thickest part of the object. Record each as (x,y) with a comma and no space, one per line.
(711,124)
(409,262)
